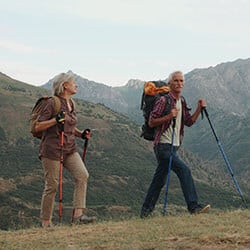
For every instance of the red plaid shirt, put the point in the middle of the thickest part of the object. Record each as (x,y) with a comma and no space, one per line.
(158,111)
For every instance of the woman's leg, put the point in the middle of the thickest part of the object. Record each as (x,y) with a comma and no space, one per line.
(74,164)
(51,175)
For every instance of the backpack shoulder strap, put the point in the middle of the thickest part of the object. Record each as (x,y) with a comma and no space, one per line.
(185,103)
(167,104)
(73,104)
(57,105)
(183,99)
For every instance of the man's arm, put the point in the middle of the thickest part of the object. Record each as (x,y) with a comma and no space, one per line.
(155,118)
(201,104)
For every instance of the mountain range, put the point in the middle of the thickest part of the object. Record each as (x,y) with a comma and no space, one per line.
(226,89)
(121,163)
(224,82)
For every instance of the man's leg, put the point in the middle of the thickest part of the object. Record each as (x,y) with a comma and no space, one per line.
(162,152)
(186,180)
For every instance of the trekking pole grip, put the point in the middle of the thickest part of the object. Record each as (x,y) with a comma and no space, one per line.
(174,122)
(86,131)
(205,111)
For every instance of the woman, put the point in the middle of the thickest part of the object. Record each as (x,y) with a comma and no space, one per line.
(50,150)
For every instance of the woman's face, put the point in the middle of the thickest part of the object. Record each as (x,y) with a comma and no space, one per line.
(70,87)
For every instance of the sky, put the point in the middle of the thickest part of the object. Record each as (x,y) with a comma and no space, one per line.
(113,41)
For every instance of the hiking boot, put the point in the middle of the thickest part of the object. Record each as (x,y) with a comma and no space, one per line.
(145,213)
(48,226)
(198,209)
(83,219)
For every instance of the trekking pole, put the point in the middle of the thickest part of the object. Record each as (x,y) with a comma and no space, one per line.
(85,145)
(61,173)
(85,149)
(226,159)
(164,211)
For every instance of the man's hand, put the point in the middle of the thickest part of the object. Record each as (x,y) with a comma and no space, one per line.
(202,103)
(60,117)
(174,112)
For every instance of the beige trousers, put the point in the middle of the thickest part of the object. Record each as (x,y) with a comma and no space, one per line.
(74,164)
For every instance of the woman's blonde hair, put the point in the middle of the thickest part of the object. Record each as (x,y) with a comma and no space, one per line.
(58,82)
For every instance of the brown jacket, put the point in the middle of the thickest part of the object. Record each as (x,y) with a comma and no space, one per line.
(50,143)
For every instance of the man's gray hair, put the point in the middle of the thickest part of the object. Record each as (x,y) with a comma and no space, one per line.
(171,76)
(58,82)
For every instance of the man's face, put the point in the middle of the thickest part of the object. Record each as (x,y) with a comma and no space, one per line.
(177,83)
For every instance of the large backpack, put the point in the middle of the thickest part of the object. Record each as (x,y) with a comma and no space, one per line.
(37,109)
(152,91)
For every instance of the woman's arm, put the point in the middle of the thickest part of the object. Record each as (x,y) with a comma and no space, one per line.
(83,135)
(78,132)
(41,126)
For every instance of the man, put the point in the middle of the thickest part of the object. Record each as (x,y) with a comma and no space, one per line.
(163,142)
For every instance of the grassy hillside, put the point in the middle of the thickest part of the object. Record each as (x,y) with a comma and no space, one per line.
(120,164)
(215,230)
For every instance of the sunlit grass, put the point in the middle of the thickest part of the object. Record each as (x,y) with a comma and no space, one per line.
(215,230)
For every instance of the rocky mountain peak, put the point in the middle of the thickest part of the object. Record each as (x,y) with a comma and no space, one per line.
(134,83)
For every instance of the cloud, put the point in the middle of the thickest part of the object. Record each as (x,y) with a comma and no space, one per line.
(118,39)
(214,16)
(25,72)
(17,47)
(164,13)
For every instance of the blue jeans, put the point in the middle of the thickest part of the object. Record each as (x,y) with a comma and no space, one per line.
(162,152)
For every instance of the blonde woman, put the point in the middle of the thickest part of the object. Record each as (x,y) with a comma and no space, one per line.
(50,151)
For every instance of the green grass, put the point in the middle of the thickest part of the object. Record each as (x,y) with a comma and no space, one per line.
(120,163)
(214,230)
